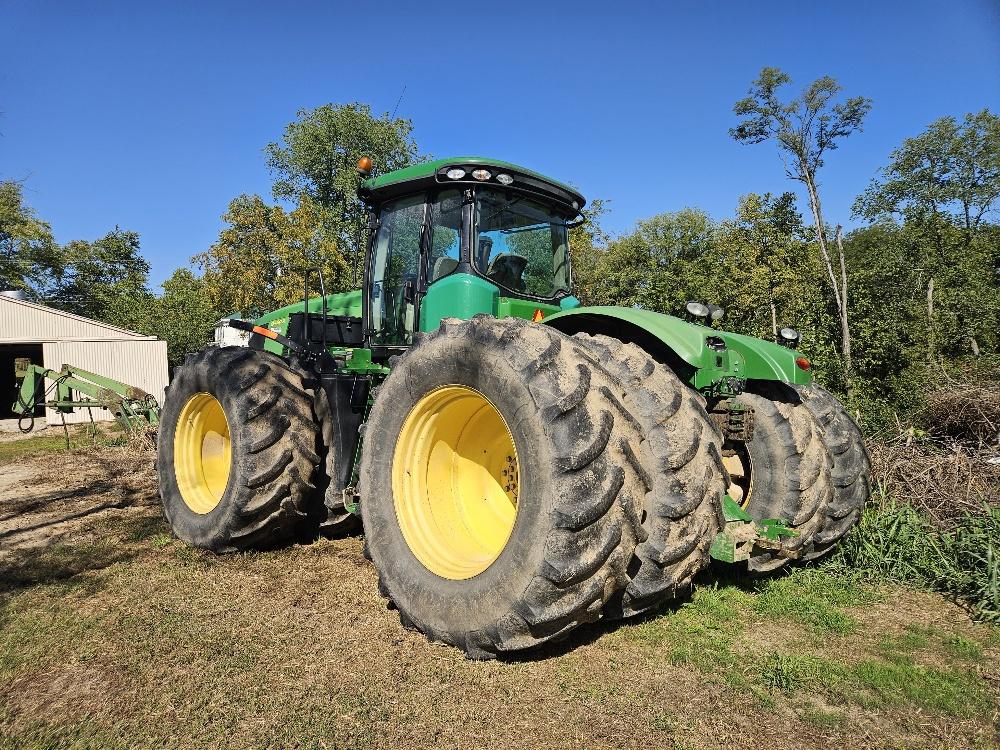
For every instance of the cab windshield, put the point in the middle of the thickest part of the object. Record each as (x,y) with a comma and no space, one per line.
(521,245)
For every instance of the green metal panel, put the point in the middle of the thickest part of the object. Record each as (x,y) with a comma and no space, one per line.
(744,357)
(460,295)
(510,307)
(428,168)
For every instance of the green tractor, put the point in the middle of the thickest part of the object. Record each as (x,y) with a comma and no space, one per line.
(519,464)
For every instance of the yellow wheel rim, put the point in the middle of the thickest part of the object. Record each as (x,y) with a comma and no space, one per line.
(202,453)
(455,482)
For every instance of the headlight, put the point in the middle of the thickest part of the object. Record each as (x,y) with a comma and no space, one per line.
(456,174)
(504,179)
(715,312)
(789,337)
(481,174)
(697,309)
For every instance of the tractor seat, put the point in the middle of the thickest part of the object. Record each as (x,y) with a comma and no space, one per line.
(442,267)
(507,269)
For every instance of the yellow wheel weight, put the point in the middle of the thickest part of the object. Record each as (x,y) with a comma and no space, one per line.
(202,453)
(455,482)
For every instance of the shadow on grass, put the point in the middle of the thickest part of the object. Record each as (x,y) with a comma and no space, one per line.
(117,540)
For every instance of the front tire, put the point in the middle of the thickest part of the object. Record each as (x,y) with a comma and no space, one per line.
(851,467)
(786,470)
(236,450)
(498,503)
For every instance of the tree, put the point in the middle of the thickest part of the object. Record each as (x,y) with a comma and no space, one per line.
(949,170)
(764,267)
(317,158)
(184,316)
(805,129)
(659,264)
(104,280)
(948,176)
(587,244)
(29,258)
(257,263)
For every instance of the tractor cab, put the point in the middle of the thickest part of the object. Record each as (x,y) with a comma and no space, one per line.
(462,236)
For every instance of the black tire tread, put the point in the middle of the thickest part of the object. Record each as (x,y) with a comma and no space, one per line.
(851,467)
(805,485)
(680,461)
(591,540)
(273,413)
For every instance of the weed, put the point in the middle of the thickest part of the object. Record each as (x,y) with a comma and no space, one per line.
(814,597)
(895,542)
(963,648)
(789,672)
(823,719)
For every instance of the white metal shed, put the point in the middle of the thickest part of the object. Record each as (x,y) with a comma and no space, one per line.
(52,338)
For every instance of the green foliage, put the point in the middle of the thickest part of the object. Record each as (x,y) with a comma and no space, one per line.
(257,263)
(29,258)
(657,265)
(317,158)
(184,316)
(104,280)
(893,541)
(949,169)
(807,126)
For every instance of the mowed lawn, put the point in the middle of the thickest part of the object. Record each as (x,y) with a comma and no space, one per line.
(113,634)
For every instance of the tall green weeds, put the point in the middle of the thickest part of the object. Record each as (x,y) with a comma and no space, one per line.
(894,541)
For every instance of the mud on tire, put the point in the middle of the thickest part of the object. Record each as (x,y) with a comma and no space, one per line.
(851,470)
(273,449)
(576,523)
(680,461)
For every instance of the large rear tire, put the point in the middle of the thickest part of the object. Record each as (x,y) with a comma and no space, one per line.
(498,500)
(789,471)
(851,468)
(236,450)
(680,459)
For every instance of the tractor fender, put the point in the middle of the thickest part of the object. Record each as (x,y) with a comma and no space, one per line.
(684,346)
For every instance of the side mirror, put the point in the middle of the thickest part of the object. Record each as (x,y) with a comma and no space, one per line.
(409,291)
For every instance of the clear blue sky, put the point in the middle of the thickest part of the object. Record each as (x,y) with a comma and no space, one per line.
(153,116)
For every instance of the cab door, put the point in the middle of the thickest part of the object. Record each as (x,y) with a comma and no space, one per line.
(394,281)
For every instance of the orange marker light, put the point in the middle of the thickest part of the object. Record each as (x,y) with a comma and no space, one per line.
(537,317)
(802,363)
(365,166)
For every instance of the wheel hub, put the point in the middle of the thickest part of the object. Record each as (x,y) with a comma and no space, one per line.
(455,482)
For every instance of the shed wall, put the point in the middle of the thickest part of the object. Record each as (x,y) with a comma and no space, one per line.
(142,363)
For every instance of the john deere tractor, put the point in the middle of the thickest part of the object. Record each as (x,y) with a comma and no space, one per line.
(519,464)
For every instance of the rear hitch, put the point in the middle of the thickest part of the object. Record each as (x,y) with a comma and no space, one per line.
(742,535)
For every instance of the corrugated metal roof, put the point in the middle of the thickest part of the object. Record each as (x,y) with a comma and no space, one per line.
(28,322)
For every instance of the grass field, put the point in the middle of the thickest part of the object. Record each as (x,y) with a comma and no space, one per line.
(113,634)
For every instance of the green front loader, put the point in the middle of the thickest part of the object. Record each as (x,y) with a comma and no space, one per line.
(519,464)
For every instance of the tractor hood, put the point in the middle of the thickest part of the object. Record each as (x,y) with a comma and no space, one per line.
(704,356)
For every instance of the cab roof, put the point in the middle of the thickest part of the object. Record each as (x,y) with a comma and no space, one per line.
(424,174)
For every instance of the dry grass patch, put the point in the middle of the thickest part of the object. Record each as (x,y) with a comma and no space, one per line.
(153,644)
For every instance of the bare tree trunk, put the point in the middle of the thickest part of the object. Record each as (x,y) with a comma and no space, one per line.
(821,234)
(930,319)
(839,287)
(845,328)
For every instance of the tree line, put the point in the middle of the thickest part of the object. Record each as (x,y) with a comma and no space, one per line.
(913,288)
